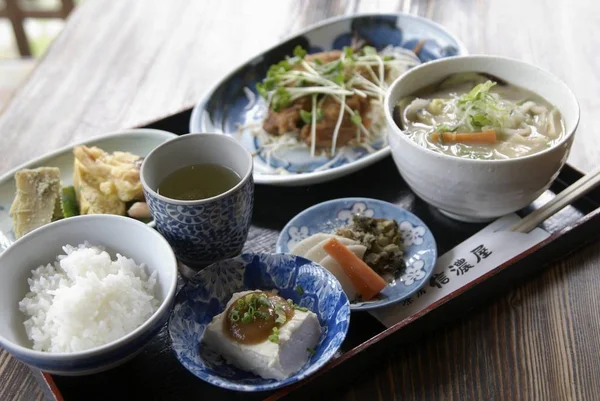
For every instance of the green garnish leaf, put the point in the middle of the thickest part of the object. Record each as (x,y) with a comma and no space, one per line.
(318,61)
(369,51)
(299,290)
(299,51)
(311,351)
(387,58)
(319,114)
(333,67)
(301,308)
(306,116)
(480,120)
(339,78)
(477,93)
(356,119)
(348,52)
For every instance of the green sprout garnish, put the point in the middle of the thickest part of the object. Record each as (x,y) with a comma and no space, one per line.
(348,52)
(299,52)
(356,119)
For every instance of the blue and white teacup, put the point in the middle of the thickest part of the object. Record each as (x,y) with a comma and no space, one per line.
(201,231)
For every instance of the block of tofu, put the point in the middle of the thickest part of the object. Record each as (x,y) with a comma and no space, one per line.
(267,359)
(37,199)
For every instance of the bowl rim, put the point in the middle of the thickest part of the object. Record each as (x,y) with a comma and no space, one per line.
(163,308)
(395,130)
(196,202)
(312,369)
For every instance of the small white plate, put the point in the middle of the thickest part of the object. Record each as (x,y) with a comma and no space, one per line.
(136,141)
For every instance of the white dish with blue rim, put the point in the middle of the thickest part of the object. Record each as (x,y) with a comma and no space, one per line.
(226,106)
(420,250)
(136,141)
(206,295)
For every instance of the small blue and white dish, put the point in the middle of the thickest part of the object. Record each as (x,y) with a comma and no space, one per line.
(229,104)
(206,295)
(420,249)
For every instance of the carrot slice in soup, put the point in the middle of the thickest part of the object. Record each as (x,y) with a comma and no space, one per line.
(465,137)
(365,280)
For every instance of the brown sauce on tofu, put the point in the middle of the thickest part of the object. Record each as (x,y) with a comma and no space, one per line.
(252,318)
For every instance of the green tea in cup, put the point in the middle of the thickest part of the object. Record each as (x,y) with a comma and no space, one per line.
(198,181)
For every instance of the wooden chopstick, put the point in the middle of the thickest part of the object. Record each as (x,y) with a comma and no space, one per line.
(564,198)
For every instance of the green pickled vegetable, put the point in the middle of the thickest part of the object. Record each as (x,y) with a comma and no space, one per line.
(68,202)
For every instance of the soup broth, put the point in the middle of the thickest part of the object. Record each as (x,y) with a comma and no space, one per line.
(478,116)
(198,181)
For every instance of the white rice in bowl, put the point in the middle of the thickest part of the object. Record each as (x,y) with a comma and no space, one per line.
(85,300)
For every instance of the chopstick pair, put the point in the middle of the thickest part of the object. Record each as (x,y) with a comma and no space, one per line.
(564,198)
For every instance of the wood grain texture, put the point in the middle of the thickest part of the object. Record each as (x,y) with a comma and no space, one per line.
(121,63)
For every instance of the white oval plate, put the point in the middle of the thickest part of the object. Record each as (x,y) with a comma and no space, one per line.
(136,141)
(225,106)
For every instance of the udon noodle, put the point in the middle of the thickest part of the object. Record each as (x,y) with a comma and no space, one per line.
(476,116)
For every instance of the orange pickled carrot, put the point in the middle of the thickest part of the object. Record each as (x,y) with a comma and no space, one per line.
(365,280)
(465,137)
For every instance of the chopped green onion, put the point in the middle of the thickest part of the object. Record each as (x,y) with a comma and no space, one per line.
(261,315)
(234,316)
(299,289)
(281,316)
(311,351)
(274,338)
(247,318)
(241,302)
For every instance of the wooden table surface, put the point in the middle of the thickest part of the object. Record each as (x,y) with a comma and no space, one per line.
(121,63)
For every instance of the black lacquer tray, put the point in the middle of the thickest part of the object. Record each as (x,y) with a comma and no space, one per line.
(155,374)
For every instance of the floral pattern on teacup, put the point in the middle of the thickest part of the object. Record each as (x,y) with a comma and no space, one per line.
(411,235)
(359,208)
(413,273)
(297,235)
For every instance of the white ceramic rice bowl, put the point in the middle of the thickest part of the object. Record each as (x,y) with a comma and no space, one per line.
(118,234)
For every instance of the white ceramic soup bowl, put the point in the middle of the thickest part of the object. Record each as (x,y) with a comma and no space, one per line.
(117,234)
(480,190)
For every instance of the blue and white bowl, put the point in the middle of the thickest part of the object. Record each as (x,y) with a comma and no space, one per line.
(209,291)
(420,249)
(230,104)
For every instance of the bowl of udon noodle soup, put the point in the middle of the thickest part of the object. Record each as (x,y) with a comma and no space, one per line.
(479,137)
